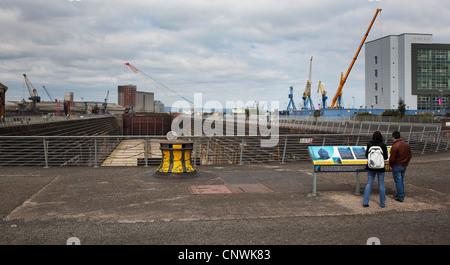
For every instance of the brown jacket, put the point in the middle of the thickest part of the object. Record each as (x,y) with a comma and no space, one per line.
(400,154)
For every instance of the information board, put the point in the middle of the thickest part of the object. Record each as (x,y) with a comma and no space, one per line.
(340,158)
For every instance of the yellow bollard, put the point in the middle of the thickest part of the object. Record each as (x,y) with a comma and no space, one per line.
(176,160)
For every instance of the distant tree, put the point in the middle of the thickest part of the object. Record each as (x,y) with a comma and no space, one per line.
(401,107)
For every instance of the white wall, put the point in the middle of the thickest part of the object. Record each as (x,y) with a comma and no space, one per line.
(394,70)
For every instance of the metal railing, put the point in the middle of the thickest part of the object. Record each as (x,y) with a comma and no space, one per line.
(95,151)
(356,127)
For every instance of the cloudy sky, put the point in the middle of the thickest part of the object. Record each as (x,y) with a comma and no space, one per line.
(228,50)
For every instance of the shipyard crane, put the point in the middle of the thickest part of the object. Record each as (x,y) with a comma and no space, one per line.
(307,94)
(323,92)
(48,94)
(34,97)
(337,100)
(157,84)
(291,105)
(106,102)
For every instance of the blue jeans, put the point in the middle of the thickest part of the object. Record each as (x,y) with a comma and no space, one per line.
(371,178)
(398,172)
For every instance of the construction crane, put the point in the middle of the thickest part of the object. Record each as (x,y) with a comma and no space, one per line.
(291,105)
(307,94)
(323,92)
(156,84)
(34,97)
(338,97)
(106,102)
(48,94)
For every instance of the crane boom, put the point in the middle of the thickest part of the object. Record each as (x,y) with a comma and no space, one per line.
(155,83)
(307,94)
(344,79)
(33,92)
(48,94)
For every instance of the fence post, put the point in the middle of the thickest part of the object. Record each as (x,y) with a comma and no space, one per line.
(448,141)
(146,150)
(425,145)
(195,151)
(95,153)
(284,150)
(45,152)
(439,142)
(242,151)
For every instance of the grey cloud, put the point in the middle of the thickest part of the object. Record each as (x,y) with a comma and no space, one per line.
(224,49)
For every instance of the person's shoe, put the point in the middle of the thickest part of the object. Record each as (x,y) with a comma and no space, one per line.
(397,199)
(365,205)
(382,206)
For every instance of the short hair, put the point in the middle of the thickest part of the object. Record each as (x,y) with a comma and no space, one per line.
(396,134)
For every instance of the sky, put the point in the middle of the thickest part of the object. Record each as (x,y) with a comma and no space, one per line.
(227,50)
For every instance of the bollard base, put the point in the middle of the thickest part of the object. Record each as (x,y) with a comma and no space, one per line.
(185,175)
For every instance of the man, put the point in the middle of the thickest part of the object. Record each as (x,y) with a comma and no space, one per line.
(399,159)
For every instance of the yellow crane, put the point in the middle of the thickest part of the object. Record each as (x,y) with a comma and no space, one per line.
(338,97)
(307,94)
(34,97)
(323,92)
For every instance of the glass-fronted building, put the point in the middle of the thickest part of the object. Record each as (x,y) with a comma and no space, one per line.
(431,75)
(408,67)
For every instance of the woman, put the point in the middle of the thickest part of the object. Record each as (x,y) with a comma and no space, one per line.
(377,140)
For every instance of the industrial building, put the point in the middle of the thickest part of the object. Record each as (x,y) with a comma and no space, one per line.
(138,101)
(408,67)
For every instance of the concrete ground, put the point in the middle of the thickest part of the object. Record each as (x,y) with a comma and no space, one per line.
(231,204)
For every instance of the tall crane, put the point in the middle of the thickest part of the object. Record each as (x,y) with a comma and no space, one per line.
(307,94)
(291,105)
(34,97)
(338,96)
(106,102)
(323,92)
(48,94)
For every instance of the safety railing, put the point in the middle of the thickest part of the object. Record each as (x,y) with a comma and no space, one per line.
(95,151)
(356,127)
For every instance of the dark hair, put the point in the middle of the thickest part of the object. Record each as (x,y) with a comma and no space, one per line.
(377,137)
(396,134)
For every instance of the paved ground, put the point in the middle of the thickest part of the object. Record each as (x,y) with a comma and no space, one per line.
(248,204)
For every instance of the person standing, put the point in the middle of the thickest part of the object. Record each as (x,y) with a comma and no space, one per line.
(377,141)
(399,159)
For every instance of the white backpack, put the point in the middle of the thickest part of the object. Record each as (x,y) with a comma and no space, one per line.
(375,159)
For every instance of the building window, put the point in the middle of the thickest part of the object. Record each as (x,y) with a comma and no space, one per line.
(376,86)
(376,59)
(376,73)
(376,100)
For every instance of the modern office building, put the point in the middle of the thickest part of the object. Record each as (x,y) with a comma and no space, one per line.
(408,67)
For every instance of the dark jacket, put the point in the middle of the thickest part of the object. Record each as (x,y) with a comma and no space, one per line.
(400,154)
(385,155)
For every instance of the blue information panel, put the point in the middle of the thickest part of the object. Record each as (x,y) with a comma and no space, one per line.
(340,158)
